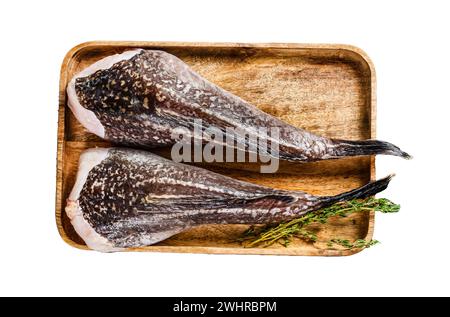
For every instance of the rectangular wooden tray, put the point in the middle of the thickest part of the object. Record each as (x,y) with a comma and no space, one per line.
(327,89)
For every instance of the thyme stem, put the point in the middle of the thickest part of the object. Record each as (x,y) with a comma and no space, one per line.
(296,228)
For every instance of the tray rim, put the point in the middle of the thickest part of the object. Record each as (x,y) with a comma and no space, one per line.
(71,54)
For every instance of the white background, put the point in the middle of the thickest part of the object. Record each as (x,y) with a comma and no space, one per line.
(409,45)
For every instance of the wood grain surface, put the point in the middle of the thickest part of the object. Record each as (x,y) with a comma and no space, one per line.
(326,89)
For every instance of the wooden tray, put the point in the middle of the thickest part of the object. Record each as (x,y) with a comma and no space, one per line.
(327,89)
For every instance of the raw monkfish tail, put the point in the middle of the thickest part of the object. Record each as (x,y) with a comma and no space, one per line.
(367,147)
(142,98)
(126,198)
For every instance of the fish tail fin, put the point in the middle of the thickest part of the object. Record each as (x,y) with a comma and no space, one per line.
(367,147)
(367,190)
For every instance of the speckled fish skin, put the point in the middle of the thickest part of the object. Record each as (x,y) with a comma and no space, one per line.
(140,100)
(133,198)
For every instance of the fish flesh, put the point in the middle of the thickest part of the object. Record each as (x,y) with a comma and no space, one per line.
(125,198)
(141,97)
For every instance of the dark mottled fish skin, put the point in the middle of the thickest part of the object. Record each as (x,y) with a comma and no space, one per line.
(141,100)
(134,198)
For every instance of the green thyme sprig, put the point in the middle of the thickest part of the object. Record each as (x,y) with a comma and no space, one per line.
(284,232)
(357,244)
